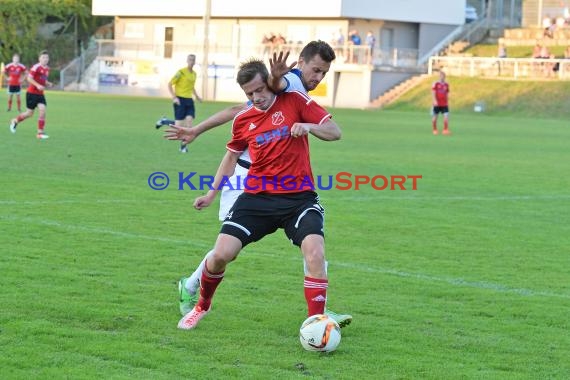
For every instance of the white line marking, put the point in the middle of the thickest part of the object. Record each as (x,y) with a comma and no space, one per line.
(104,231)
(80,201)
(355,197)
(367,198)
(363,268)
(455,281)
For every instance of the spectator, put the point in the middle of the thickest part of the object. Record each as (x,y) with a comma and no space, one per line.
(353,40)
(501,53)
(279,42)
(370,42)
(355,37)
(548,27)
(267,42)
(536,51)
(338,43)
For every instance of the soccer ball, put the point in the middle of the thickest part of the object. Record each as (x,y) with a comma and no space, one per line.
(319,333)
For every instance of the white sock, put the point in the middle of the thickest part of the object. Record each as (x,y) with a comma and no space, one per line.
(194,279)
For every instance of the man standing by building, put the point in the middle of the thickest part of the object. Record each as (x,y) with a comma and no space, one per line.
(440,91)
(370,43)
(182,89)
(15,74)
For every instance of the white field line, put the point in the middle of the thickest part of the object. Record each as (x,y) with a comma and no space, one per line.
(454,281)
(459,282)
(355,197)
(102,231)
(475,198)
(77,201)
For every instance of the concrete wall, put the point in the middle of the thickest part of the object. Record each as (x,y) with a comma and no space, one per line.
(535,10)
(445,12)
(430,35)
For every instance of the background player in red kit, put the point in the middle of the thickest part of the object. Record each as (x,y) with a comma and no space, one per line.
(440,90)
(277,195)
(38,81)
(14,75)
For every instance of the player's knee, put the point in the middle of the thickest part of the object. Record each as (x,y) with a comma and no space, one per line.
(313,247)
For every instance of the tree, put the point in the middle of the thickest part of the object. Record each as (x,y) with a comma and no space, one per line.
(23,25)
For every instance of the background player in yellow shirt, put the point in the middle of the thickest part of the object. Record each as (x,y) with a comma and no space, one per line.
(182,90)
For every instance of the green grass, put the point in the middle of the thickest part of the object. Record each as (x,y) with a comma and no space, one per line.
(491,50)
(517,99)
(466,277)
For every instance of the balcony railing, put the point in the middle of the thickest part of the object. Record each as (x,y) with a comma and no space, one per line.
(230,54)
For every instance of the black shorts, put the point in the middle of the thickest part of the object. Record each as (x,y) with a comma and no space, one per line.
(32,100)
(255,215)
(184,109)
(14,89)
(438,109)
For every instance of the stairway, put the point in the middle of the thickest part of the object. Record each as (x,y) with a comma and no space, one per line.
(395,92)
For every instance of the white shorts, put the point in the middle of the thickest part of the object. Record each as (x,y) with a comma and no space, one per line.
(229,196)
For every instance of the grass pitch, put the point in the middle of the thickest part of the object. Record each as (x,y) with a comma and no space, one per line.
(465,277)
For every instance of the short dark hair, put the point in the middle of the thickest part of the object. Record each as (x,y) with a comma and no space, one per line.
(324,50)
(44,52)
(249,69)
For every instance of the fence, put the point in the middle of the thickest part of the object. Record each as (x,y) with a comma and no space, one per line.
(74,70)
(506,68)
(230,54)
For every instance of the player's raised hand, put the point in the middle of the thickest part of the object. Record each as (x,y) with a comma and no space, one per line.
(278,64)
(184,134)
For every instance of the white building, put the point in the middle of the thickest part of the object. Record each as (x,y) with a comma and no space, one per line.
(152,39)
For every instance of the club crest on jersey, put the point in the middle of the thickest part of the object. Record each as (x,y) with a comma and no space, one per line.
(277,118)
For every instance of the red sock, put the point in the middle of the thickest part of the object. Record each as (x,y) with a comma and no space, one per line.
(445,124)
(434,124)
(316,294)
(19,118)
(208,284)
(10,104)
(19,104)
(41,125)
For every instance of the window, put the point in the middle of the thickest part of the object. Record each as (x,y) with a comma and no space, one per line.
(134,30)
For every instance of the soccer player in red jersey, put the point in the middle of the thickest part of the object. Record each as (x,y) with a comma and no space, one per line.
(279,191)
(440,90)
(38,81)
(15,74)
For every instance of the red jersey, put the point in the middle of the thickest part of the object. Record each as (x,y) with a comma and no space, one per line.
(40,74)
(280,163)
(441,89)
(14,72)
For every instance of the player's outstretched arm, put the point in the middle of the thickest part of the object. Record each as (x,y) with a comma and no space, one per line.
(279,67)
(219,118)
(188,135)
(327,131)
